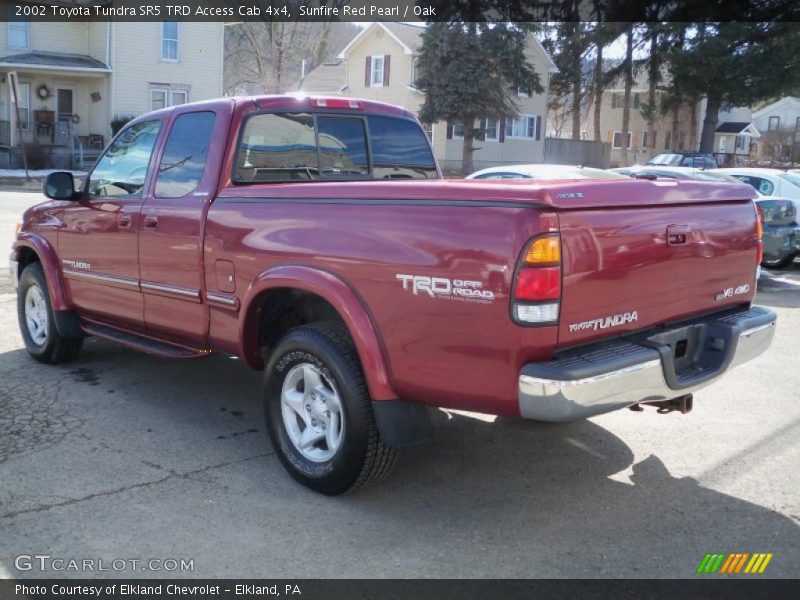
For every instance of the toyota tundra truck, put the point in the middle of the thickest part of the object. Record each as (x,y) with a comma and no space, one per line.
(316,239)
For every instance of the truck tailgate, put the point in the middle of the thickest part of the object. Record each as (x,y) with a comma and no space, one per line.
(642,263)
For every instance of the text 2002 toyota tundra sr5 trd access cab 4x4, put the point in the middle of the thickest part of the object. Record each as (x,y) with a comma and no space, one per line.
(315,239)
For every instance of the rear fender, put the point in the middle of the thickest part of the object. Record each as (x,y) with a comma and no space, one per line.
(59,298)
(342,298)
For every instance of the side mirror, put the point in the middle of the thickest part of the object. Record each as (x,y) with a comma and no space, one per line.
(60,185)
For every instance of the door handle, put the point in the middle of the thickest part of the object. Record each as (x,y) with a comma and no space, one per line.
(151,222)
(677,234)
(124,220)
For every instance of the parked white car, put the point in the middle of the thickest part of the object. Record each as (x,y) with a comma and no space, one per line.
(541,171)
(770,182)
(675,173)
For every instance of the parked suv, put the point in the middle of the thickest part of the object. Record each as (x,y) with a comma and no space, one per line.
(697,160)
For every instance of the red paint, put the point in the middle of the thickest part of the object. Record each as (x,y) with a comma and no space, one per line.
(447,349)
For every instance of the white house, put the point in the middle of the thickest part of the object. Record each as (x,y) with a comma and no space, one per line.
(74,78)
(379,64)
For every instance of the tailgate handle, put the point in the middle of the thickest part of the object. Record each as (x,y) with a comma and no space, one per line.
(677,234)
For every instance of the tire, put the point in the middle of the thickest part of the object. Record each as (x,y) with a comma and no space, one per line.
(781,263)
(349,454)
(36,322)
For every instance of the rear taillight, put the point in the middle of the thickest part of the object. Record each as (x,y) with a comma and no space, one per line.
(759,234)
(536,295)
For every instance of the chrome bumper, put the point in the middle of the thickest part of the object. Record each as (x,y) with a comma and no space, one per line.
(13,271)
(613,375)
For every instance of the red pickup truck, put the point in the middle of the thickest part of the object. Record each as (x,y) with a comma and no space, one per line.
(316,239)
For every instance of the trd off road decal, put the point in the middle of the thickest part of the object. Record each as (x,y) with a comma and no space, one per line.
(444,288)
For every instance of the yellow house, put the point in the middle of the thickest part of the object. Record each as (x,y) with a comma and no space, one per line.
(74,78)
(379,64)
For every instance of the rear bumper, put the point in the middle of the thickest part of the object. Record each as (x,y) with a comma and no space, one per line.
(645,368)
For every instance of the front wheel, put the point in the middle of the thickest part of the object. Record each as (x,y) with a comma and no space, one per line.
(36,321)
(319,413)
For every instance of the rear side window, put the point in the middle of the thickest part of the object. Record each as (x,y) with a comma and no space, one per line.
(184,160)
(277,147)
(764,187)
(400,150)
(302,147)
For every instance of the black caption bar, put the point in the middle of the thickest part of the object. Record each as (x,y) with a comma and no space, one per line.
(405,10)
(228,589)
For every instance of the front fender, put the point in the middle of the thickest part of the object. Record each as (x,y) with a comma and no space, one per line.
(342,298)
(59,298)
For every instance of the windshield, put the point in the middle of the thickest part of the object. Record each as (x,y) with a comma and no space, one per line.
(665,159)
(793,178)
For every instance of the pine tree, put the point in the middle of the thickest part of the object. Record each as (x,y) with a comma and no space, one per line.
(472,70)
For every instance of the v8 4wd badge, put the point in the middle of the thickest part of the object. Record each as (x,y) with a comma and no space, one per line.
(730,292)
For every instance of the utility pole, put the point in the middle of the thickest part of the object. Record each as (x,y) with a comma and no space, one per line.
(12,80)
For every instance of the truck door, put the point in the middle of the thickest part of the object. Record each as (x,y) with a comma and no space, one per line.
(98,239)
(173,216)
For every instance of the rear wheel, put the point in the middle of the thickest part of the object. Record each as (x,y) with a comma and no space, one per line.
(319,412)
(778,263)
(36,322)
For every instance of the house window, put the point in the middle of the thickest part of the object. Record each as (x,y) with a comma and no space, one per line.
(522,91)
(614,100)
(644,139)
(458,130)
(774,124)
(636,101)
(522,127)
(668,141)
(376,71)
(428,129)
(618,139)
(162,97)
(741,141)
(492,127)
(24,105)
(18,32)
(169,40)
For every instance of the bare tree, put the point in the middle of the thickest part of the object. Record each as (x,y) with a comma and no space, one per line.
(266,56)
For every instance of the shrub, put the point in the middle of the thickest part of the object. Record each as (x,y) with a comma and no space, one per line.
(38,156)
(119,121)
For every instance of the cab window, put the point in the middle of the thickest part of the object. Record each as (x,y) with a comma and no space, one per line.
(184,160)
(122,171)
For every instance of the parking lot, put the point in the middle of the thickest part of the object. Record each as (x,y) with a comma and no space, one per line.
(120,455)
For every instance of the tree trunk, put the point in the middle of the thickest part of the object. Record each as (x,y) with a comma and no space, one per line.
(655,75)
(693,120)
(626,102)
(577,80)
(468,148)
(599,87)
(673,136)
(710,123)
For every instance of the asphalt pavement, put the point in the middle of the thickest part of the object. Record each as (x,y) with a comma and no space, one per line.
(124,456)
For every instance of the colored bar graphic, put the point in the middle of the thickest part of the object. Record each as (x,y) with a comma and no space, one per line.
(733,563)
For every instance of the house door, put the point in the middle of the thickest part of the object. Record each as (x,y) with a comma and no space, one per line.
(64,105)
(64,110)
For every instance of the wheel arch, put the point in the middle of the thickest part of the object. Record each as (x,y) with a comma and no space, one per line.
(344,301)
(30,248)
